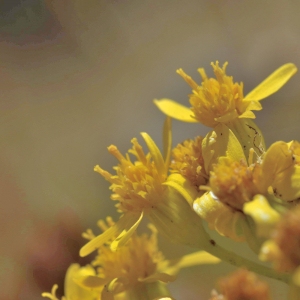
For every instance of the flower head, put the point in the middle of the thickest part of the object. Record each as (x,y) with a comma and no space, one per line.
(284,246)
(221,100)
(242,284)
(143,188)
(188,161)
(136,264)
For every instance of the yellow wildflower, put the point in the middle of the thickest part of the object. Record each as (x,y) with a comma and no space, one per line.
(143,188)
(138,268)
(234,185)
(220,100)
(242,284)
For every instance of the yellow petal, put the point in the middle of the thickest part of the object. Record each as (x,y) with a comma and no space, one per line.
(126,221)
(273,83)
(269,251)
(174,215)
(167,142)
(122,239)
(277,159)
(264,216)
(287,184)
(159,277)
(155,153)
(183,187)
(249,136)
(72,289)
(220,142)
(108,291)
(189,260)
(227,225)
(175,110)
(247,114)
(227,117)
(91,282)
(209,208)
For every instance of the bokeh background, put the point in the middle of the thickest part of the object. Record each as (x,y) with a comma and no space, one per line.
(79,75)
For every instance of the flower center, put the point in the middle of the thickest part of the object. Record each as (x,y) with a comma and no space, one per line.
(137,259)
(233,182)
(137,185)
(216,100)
(188,161)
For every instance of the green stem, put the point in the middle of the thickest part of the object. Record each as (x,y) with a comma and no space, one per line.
(239,261)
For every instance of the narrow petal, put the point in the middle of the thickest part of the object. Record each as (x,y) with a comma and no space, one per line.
(248,114)
(220,142)
(183,187)
(264,216)
(167,142)
(125,235)
(159,277)
(227,117)
(155,153)
(194,259)
(273,83)
(175,110)
(124,222)
(92,282)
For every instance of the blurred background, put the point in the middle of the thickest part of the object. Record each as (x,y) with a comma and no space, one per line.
(79,75)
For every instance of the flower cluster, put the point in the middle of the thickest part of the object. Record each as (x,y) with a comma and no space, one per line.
(228,181)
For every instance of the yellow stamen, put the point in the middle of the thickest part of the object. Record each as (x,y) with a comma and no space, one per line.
(137,185)
(188,161)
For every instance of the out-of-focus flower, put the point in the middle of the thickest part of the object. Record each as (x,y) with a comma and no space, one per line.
(283,249)
(72,290)
(143,188)
(220,100)
(242,284)
(138,268)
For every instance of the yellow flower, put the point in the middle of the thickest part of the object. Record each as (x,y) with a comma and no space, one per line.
(242,284)
(142,188)
(238,188)
(220,100)
(138,267)
(72,290)
(283,249)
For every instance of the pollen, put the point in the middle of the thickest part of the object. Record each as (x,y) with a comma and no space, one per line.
(286,237)
(188,161)
(215,100)
(242,284)
(137,185)
(233,183)
(135,261)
